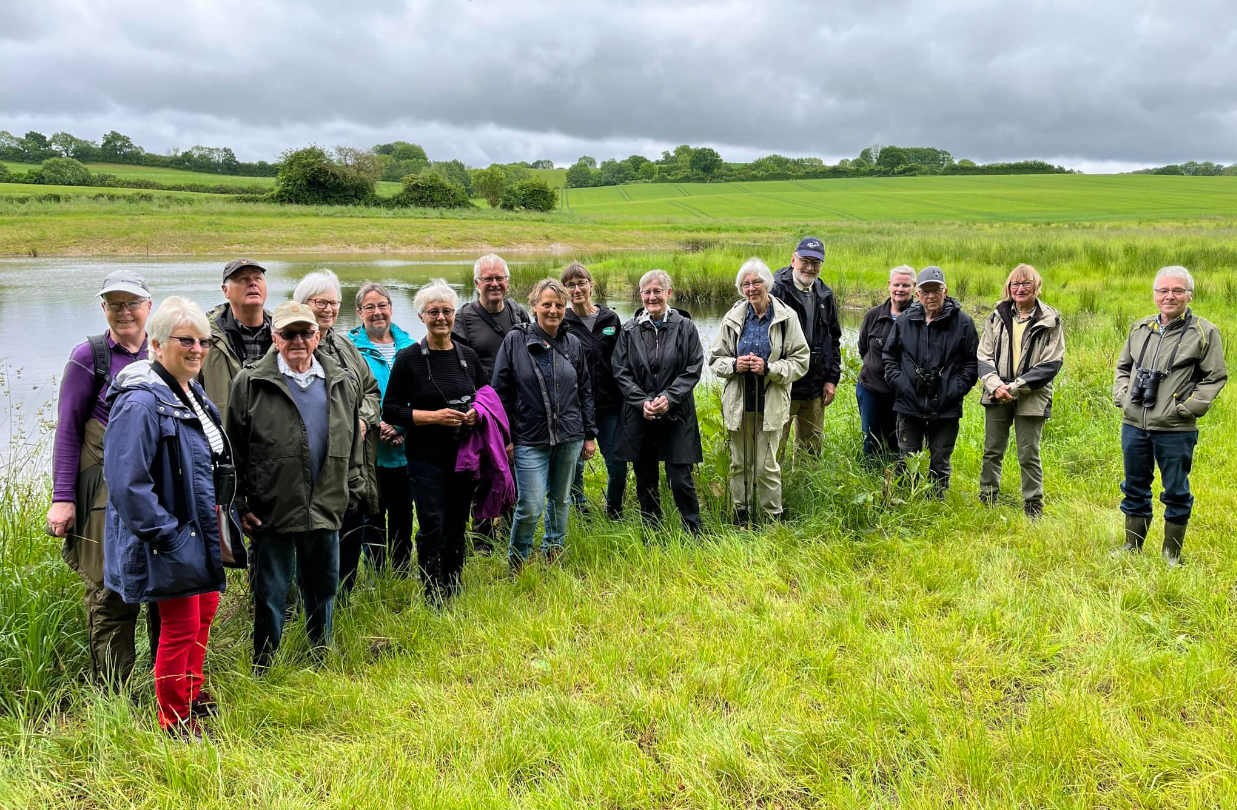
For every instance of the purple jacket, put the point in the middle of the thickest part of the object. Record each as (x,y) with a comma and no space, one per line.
(484,454)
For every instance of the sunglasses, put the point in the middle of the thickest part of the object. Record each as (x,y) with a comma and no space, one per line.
(292,334)
(188,342)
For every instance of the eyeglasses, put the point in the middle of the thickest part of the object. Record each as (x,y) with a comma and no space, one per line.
(810,264)
(1177,292)
(435,314)
(748,285)
(1022,285)
(292,334)
(121,306)
(578,285)
(651,291)
(372,308)
(188,342)
(492,279)
(324,303)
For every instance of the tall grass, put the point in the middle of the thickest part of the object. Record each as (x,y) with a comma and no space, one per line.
(881,649)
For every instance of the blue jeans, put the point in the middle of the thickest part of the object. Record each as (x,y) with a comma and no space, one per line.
(616,471)
(1173,453)
(316,554)
(878,421)
(543,478)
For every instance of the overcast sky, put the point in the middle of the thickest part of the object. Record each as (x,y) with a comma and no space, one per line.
(1098,86)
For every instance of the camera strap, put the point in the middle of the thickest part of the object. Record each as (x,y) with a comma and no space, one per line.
(429,370)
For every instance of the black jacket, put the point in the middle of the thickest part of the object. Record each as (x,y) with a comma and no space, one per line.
(599,347)
(525,391)
(477,329)
(825,365)
(873,332)
(676,435)
(931,366)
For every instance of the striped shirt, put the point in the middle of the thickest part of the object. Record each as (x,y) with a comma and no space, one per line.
(388,352)
(213,435)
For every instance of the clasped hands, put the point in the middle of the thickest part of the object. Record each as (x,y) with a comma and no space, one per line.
(656,407)
(751,362)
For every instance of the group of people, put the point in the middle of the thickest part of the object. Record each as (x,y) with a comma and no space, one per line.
(181,433)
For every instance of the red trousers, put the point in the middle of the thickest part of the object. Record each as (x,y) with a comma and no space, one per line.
(182,652)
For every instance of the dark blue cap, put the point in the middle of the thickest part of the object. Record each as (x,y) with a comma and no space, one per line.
(811,248)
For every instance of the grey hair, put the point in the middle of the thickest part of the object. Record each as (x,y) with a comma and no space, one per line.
(175,311)
(490,259)
(369,287)
(551,284)
(437,290)
(902,270)
(655,275)
(315,284)
(1175,271)
(757,267)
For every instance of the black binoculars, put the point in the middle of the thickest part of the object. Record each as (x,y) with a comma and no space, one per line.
(225,484)
(463,405)
(1145,388)
(927,382)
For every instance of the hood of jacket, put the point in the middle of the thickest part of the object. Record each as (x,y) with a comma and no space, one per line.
(141,375)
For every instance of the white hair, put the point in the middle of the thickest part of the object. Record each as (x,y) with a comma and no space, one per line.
(655,275)
(1175,271)
(173,312)
(754,266)
(902,270)
(488,260)
(436,290)
(315,284)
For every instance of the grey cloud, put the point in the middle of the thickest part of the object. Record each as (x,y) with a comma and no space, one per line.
(1139,82)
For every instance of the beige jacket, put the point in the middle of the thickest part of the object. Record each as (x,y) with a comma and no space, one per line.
(1043,351)
(788,361)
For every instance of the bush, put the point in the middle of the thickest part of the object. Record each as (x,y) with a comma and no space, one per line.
(530,195)
(429,191)
(65,172)
(309,177)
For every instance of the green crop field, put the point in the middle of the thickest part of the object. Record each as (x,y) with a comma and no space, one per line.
(1026,198)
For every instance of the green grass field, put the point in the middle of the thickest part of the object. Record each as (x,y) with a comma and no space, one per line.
(880,650)
(1029,198)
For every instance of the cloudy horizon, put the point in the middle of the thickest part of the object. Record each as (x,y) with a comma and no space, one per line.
(1109,87)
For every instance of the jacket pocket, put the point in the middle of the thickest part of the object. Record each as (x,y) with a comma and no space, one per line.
(180,564)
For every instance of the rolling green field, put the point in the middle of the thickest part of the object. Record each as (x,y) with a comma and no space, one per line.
(1027,198)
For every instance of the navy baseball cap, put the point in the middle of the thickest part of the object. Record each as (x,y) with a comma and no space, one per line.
(811,248)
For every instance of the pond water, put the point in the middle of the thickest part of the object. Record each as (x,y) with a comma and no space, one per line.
(48,306)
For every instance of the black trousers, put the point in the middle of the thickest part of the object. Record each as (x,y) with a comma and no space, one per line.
(682,488)
(940,435)
(444,499)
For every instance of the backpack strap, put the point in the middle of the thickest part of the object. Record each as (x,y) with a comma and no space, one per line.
(102,364)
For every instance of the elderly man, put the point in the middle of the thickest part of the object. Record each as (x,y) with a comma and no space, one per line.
(292,421)
(800,288)
(875,398)
(930,363)
(1170,371)
(79,493)
(240,329)
(481,325)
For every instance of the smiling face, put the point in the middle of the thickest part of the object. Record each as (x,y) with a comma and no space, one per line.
(326,308)
(806,270)
(296,342)
(549,311)
(656,299)
(492,284)
(126,315)
(246,288)
(900,287)
(375,313)
(1172,296)
(184,362)
(438,317)
(754,290)
(580,291)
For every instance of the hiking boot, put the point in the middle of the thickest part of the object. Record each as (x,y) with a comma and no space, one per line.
(1034,508)
(614,512)
(1135,533)
(204,707)
(187,731)
(1174,538)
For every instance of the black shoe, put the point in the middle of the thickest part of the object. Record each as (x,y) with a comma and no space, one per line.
(187,731)
(204,706)
(1135,533)
(614,512)
(1034,508)
(1174,539)
(583,507)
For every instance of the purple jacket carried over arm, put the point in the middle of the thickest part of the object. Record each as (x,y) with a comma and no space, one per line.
(484,454)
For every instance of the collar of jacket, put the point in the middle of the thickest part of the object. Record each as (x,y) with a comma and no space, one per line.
(1044,315)
(571,318)
(141,375)
(642,318)
(737,315)
(915,311)
(267,369)
(1152,322)
(362,341)
(535,336)
(786,276)
(224,329)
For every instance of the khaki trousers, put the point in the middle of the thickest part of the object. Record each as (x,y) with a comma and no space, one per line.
(755,474)
(808,417)
(1027,432)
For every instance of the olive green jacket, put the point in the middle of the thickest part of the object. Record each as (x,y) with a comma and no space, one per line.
(1193,357)
(1043,351)
(271,450)
(221,364)
(339,348)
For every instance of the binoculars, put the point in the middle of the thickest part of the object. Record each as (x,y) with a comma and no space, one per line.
(1145,388)
(463,405)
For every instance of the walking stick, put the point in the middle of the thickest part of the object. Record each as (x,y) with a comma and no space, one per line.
(748,459)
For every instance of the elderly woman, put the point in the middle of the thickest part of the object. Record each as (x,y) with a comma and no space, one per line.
(292,420)
(1019,355)
(542,375)
(433,395)
(378,340)
(320,291)
(1170,371)
(759,351)
(657,363)
(597,329)
(164,453)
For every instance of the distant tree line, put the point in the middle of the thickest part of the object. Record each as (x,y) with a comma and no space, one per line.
(1192,168)
(688,164)
(35,147)
(62,171)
